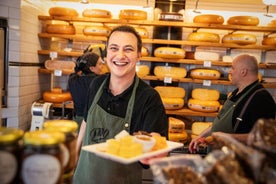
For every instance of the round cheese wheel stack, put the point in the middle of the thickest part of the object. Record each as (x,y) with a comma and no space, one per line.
(243,20)
(208,19)
(170,91)
(178,137)
(65,66)
(96,31)
(169,71)
(205,94)
(133,14)
(172,103)
(169,52)
(204,37)
(142,70)
(241,39)
(56,95)
(203,105)
(62,11)
(205,73)
(199,127)
(206,56)
(142,32)
(176,125)
(144,51)
(96,13)
(269,41)
(60,29)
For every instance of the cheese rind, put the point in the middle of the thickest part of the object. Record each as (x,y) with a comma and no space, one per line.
(169,52)
(243,20)
(170,91)
(269,41)
(60,29)
(96,13)
(205,74)
(96,30)
(203,106)
(172,103)
(204,37)
(142,70)
(208,19)
(62,11)
(133,14)
(199,127)
(176,125)
(205,94)
(170,71)
(241,39)
(207,56)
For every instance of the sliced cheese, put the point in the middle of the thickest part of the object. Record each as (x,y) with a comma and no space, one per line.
(203,106)
(172,103)
(204,37)
(96,31)
(206,56)
(243,20)
(170,71)
(199,127)
(169,52)
(170,91)
(205,74)
(205,94)
(241,39)
(142,70)
(208,19)
(133,14)
(176,125)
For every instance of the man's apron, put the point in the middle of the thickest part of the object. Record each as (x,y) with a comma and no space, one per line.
(101,126)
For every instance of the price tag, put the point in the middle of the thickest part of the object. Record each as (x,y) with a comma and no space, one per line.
(207,83)
(168,80)
(53,55)
(58,72)
(207,64)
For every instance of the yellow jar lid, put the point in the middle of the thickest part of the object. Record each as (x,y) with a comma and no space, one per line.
(65,126)
(8,135)
(43,137)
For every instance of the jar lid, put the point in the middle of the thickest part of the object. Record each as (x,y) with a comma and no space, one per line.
(43,137)
(65,126)
(8,135)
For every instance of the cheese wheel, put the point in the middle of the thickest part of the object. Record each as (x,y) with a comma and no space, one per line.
(170,91)
(269,41)
(203,105)
(56,95)
(60,29)
(172,103)
(169,71)
(205,94)
(169,52)
(272,23)
(68,66)
(204,37)
(241,39)
(199,127)
(208,19)
(243,20)
(142,32)
(144,51)
(96,31)
(133,14)
(62,11)
(176,125)
(96,13)
(178,137)
(142,70)
(206,56)
(204,73)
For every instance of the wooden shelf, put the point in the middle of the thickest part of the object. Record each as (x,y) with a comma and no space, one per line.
(188,112)
(46,71)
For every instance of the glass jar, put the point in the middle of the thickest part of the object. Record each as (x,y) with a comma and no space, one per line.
(10,148)
(42,157)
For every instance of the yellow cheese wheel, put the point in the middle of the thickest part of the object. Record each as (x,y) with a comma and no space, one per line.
(176,125)
(208,19)
(62,11)
(133,14)
(169,71)
(67,66)
(205,94)
(60,29)
(96,30)
(169,52)
(199,127)
(272,23)
(142,70)
(142,32)
(241,39)
(243,20)
(203,105)
(56,95)
(269,41)
(170,91)
(204,37)
(144,51)
(172,103)
(178,137)
(96,13)
(205,73)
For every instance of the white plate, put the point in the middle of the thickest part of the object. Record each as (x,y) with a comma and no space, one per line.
(98,149)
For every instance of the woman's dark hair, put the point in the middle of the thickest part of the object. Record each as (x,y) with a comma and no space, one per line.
(128,29)
(85,61)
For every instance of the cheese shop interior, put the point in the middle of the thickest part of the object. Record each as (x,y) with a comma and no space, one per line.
(29,48)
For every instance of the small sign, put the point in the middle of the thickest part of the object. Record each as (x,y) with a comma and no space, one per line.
(207,64)
(168,80)
(53,55)
(58,72)
(207,83)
